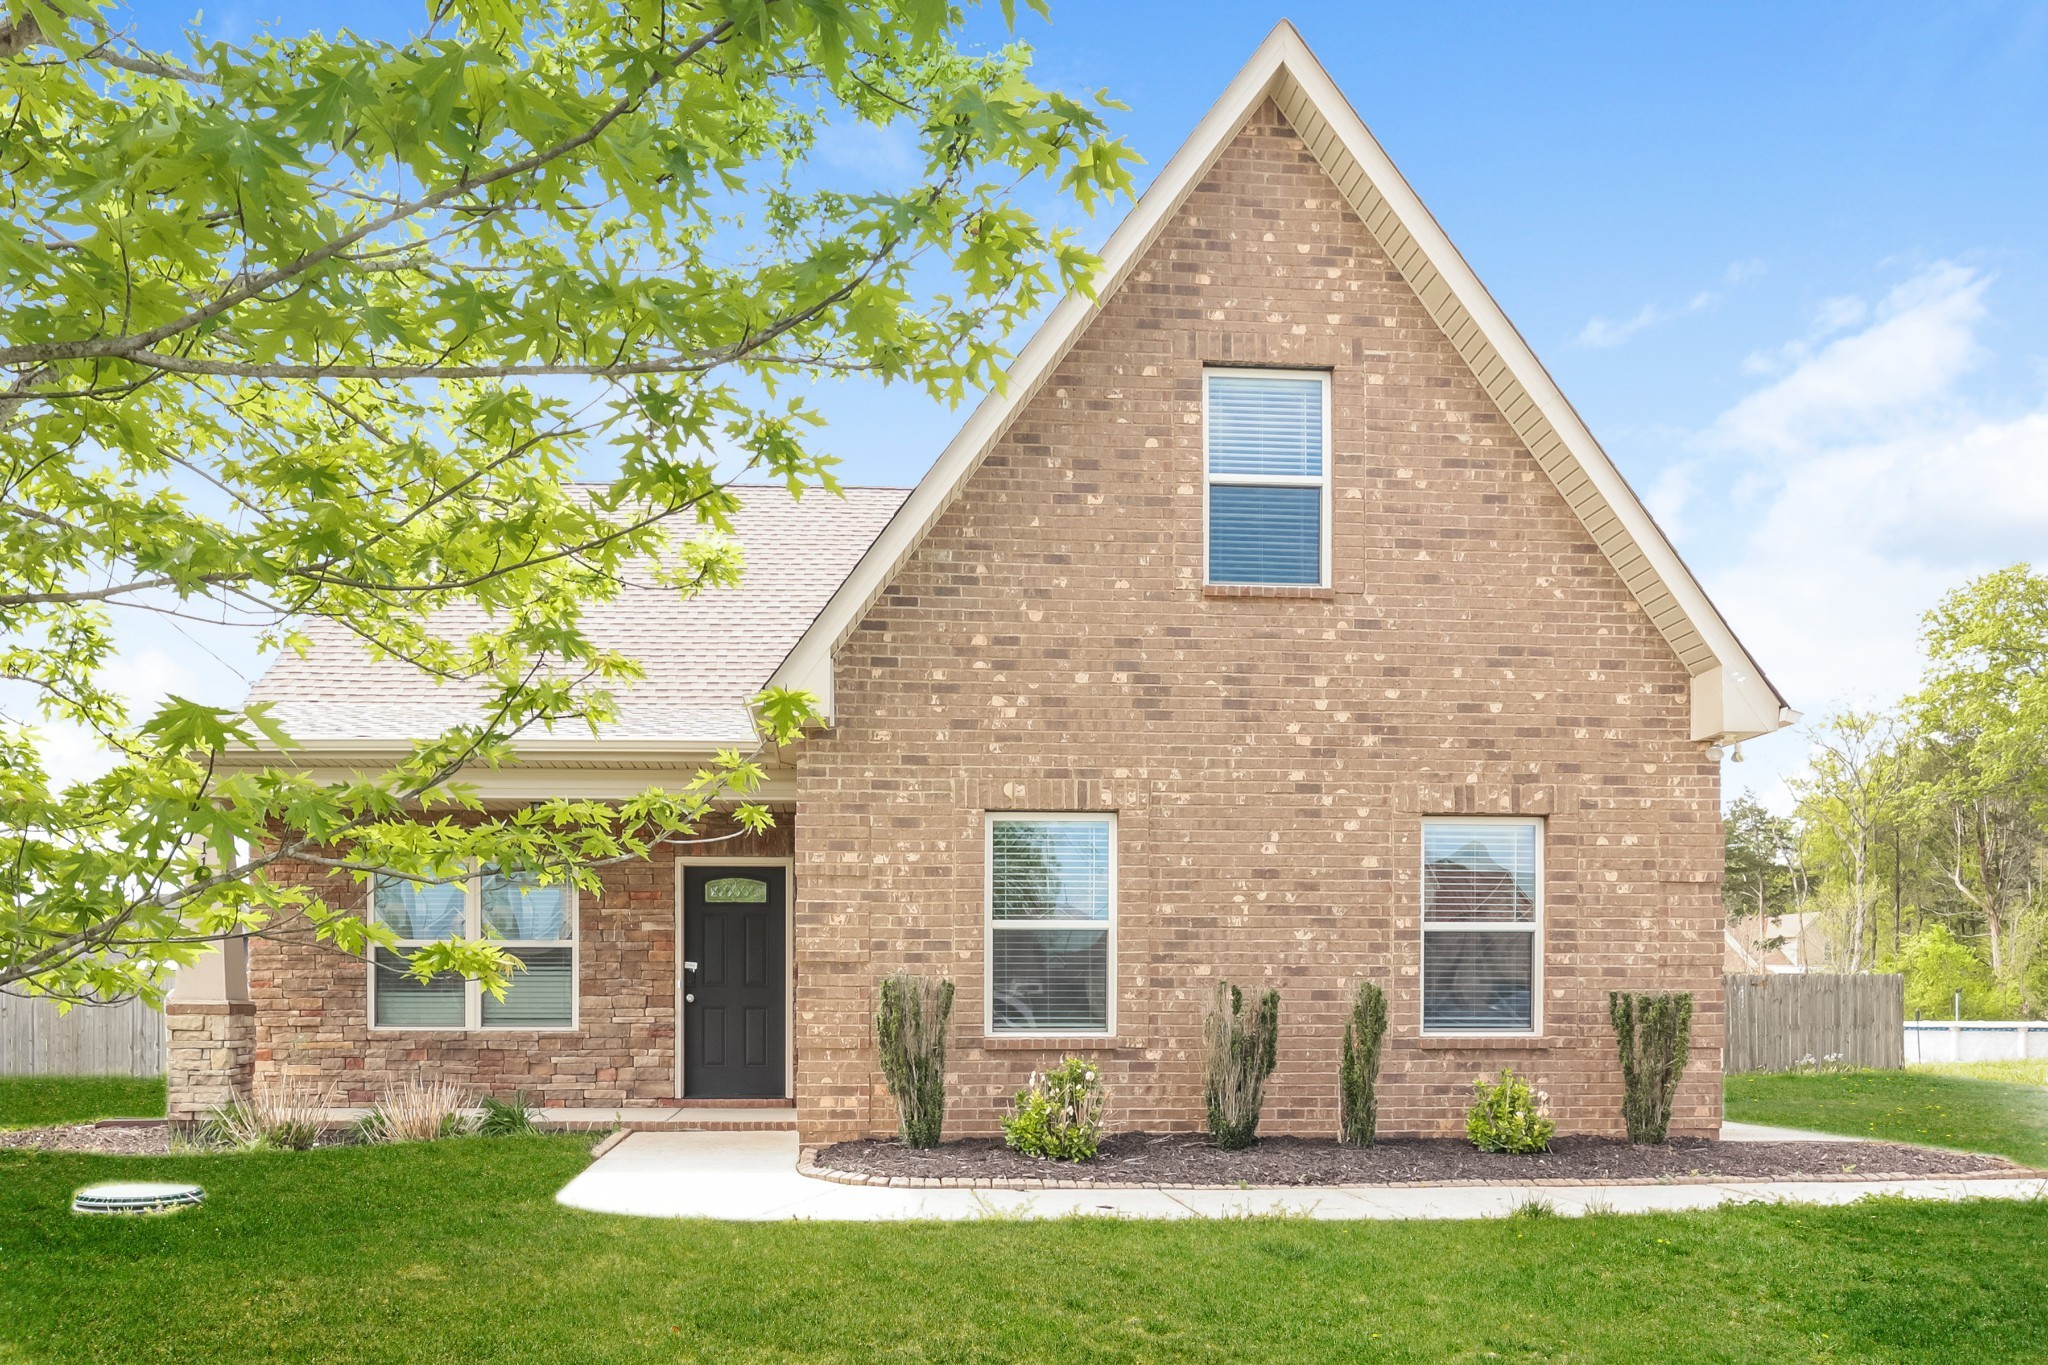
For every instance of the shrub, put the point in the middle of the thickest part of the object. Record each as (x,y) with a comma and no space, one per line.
(281,1114)
(1508,1117)
(506,1118)
(1358,1071)
(1059,1114)
(910,1031)
(1653,1031)
(418,1110)
(1239,1055)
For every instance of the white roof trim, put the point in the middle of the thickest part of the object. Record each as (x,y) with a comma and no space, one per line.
(1732,700)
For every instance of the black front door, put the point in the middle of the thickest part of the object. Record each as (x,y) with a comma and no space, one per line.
(735,972)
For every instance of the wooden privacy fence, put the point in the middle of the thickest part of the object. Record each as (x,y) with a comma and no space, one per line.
(1785,1019)
(92,1040)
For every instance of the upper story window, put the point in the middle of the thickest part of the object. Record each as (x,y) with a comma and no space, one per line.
(1266,439)
(1051,923)
(535,924)
(1482,916)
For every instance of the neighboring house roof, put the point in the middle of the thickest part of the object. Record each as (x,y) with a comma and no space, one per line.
(1732,699)
(1773,944)
(703,656)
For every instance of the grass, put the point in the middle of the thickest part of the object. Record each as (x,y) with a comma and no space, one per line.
(455,1250)
(2034,1072)
(37,1101)
(1930,1105)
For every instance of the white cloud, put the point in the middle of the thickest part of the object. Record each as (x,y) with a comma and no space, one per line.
(1855,490)
(1601,333)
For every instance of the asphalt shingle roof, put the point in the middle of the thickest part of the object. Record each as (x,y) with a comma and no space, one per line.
(703,656)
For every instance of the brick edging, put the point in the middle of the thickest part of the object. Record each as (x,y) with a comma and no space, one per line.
(807,1165)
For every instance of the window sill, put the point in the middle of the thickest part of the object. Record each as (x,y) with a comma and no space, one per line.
(1219,590)
(1488,1042)
(1050,1042)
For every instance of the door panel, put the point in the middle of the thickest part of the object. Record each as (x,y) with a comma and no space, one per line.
(735,1014)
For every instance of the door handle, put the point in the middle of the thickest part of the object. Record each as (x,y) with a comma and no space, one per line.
(689,966)
(689,999)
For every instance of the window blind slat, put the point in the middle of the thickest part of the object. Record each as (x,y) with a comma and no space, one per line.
(1050,979)
(1479,872)
(1265,535)
(1050,869)
(542,996)
(1479,980)
(404,1001)
(1265,425)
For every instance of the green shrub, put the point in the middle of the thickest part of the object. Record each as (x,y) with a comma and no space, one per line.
(1239,1055)
(910,1032)
(1358,1070)
(1653,1032)
(1508,1117)
(1059,1114)
(505,1118)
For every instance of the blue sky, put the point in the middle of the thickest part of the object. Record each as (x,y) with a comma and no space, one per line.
(1790,262)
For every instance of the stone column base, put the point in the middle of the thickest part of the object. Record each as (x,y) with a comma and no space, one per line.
(212,1056)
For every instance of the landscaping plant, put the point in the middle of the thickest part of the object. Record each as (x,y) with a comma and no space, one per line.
(1059,1114)
(1508,1117)
(418,1110)
(1239,1055)
(1358,1070)
(1653,1032)
(506,1118)
(279,1114)
(910,1032)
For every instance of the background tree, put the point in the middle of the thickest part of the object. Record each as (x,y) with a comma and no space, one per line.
(1848,799)
(1760,876)
(315,328)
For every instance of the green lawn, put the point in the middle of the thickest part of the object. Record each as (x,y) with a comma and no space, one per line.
(456,1250)
(1935,1106)
(36,1101)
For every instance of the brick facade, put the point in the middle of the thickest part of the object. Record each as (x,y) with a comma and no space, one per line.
(312,1003)
(1269,755)
(1049,646)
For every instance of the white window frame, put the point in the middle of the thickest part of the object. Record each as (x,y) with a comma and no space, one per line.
(473,991)
(991,926)
(1534,927)
(1210,478)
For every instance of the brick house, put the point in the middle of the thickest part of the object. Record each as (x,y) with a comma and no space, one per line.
(1280,621)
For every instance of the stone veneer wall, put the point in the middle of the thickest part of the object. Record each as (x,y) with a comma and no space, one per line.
(211,1056)
(311,1020)
(1051,647)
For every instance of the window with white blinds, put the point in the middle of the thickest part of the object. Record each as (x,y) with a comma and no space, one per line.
(1051,923)
(534,924)
(1482,915)
(1266,434)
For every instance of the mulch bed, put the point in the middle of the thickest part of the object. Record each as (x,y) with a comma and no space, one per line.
(127,1140)
(1188,1159)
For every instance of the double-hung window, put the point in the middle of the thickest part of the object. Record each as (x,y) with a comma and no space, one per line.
(1266,456)
(1051,923)
(534,924)
(1482,917)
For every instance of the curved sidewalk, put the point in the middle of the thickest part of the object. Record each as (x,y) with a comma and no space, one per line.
(752,1177)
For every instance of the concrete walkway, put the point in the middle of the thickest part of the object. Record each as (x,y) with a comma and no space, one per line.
(752,1177)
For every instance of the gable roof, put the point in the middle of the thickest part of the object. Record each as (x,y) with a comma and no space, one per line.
(704,657)
(1731,698)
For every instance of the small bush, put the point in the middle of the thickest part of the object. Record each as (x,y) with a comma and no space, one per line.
(1531,1209)
(417,1110)
(1653,1032)
(1059,1114)
(1358,1070)
(278,1115)
(910,1032)
(1508,1117)
(1239,1054)
(506,1118)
